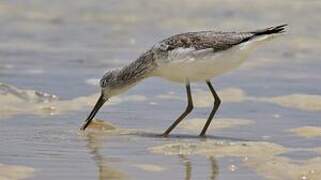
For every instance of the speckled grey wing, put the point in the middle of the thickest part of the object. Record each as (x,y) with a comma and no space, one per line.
(217,41)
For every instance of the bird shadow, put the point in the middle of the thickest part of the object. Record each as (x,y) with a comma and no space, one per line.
(189,136)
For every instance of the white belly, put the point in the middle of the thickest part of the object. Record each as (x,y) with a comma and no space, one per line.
(202,65)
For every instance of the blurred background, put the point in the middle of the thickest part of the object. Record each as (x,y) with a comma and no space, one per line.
(52,54)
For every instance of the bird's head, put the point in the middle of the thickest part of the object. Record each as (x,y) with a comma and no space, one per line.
(111,84)
(114,83)
(108,84)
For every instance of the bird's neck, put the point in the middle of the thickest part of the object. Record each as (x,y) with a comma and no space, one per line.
(130,75)
(137,70)
(128,78)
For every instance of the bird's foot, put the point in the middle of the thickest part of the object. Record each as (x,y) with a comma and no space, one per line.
(164,135)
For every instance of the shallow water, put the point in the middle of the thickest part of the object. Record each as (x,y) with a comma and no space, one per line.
(266,128)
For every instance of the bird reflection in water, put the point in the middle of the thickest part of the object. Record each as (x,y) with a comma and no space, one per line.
(105,171)
(95,143)
(188,167)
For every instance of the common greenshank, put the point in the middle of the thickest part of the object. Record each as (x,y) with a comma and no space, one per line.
(185,58)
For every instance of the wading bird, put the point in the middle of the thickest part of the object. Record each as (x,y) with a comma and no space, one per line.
(185,58)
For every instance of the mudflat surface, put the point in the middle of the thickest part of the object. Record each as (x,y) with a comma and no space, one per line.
(52,54)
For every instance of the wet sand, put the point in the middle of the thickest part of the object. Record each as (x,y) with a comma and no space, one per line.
(307,131)
(263,157)
(53,53)
(15,172)
(22,101)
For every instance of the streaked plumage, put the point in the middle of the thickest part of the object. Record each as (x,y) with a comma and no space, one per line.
(185,58)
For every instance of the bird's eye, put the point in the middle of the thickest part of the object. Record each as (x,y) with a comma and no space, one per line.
(103,83)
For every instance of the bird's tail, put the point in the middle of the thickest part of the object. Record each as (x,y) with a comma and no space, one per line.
(271,30)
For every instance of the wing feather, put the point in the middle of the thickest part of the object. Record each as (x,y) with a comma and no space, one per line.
(217,41)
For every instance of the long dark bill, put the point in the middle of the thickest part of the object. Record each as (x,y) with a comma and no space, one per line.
(97,106)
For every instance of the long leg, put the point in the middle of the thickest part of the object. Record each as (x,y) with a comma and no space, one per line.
(188,109)
(217,103)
